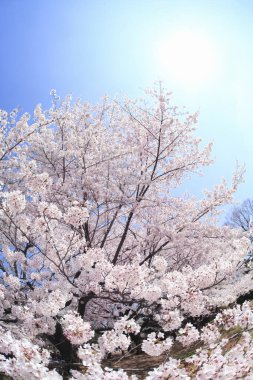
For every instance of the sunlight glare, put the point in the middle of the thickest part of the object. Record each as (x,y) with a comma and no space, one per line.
(187,57)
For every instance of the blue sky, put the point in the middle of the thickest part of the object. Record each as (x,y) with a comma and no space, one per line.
(92,47)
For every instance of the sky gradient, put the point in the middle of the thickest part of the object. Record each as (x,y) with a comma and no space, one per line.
(93,47)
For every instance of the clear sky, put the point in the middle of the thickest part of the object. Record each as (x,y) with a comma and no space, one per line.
(202,50)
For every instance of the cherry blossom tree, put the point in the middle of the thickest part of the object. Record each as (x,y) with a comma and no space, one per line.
(95,244)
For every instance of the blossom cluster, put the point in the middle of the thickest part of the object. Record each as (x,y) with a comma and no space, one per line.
(155,344)
(75,329)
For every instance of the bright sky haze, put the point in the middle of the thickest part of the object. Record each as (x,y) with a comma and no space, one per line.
(202,50)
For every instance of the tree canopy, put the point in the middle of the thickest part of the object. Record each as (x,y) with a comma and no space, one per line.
(95,246)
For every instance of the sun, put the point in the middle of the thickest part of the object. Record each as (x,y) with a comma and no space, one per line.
(187,57)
